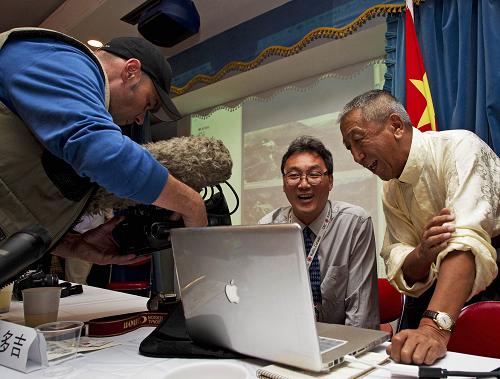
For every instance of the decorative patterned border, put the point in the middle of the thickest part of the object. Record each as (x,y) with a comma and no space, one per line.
(231,108)
(323,32)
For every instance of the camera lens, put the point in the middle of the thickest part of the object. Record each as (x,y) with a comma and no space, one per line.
(51,280)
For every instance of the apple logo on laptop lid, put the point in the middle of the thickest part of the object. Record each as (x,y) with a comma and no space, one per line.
(231,290)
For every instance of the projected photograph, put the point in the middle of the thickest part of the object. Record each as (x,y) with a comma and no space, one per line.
(264,148)
(262,158)
(259,202)
(359,191)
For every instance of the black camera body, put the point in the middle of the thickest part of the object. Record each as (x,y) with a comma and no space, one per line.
(146,228)
(38,278)
(34,278)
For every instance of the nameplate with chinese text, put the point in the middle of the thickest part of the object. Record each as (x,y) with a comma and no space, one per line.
(20,348)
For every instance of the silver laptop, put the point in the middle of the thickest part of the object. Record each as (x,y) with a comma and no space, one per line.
(246,288)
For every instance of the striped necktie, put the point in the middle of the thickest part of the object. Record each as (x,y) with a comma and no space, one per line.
(314,272)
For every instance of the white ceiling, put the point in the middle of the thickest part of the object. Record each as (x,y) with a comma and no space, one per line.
(100,19)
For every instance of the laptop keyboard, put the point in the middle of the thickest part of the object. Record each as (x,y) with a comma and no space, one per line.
(326,344)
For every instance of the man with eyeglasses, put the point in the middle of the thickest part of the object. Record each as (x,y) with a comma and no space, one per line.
(339,238)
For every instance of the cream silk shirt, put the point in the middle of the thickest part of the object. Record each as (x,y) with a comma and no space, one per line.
(453,169)
(347,257)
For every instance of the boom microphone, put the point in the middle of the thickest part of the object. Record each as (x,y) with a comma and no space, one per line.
(197,161)
(20,250)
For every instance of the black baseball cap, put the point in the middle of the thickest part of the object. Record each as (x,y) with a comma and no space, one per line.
(153,63)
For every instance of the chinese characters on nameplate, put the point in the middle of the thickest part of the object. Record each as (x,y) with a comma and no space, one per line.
(21,348)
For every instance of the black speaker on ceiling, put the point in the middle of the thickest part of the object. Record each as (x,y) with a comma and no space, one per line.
(165,22)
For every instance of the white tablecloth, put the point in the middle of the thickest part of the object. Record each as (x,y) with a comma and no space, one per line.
(124,360)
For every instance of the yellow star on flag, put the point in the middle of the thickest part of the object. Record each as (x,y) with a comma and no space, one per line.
(428,115)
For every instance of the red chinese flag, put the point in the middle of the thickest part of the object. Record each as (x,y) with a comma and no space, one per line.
(418,93)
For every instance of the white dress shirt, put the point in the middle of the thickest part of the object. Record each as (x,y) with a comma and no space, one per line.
(451,169)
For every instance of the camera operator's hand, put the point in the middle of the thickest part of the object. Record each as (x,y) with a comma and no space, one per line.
(180,198)
(95,245)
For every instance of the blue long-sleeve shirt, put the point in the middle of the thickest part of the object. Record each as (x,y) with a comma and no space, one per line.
(59,92)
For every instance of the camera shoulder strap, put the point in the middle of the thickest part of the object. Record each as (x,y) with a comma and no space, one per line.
(120,324)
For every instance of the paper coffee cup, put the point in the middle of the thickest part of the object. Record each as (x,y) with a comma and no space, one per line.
(41,305)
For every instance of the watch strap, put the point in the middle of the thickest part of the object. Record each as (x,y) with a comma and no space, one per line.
(433,315)
(430,314)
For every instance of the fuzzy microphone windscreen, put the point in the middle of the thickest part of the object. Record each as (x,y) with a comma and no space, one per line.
(197,161)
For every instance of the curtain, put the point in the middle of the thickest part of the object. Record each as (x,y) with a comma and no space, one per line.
(460,42)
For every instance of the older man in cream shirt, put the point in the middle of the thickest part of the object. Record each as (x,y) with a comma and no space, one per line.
(441,203)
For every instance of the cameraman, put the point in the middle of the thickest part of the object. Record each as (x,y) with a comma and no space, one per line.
(61,107)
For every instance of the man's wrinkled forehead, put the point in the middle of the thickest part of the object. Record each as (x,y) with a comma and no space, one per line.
(351,122)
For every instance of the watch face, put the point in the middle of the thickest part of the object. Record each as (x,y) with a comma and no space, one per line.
(444,321)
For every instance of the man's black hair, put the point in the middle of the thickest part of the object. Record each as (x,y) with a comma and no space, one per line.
(308,144)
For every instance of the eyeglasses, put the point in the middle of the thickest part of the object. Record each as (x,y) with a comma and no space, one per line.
(314,178)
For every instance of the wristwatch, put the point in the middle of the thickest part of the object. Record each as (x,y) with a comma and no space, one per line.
(442,319)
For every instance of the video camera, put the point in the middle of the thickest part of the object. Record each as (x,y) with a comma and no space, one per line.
(146,228)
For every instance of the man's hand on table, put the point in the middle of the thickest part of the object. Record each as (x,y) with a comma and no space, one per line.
(419,346)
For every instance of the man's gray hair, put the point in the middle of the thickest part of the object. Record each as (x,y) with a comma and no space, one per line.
(377,106)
